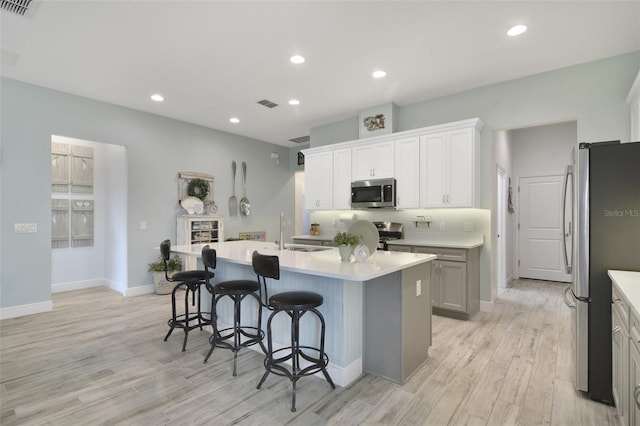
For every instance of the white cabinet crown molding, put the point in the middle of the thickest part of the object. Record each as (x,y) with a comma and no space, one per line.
(454,125)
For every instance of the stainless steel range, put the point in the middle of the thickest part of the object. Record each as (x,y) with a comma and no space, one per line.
(388,231)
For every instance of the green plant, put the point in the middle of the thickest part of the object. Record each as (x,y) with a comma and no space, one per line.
(346,238)
(173,264)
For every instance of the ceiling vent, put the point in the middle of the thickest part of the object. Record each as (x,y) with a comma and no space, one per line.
(16,6)
(301,139)
(268,103)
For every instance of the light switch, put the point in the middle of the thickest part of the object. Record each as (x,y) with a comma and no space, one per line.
(143,224)
(25,228)
(418,287)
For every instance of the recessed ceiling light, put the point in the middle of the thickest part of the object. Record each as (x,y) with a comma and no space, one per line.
(157,98)
(379,74)
(516,30)
(294,102)
(297,59)
(234,120)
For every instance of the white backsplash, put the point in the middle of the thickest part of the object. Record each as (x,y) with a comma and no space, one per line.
(445,223)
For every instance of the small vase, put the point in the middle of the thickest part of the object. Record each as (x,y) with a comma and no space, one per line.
(345,252)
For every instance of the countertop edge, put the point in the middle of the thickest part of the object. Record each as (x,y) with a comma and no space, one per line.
(628,282)
(447,244)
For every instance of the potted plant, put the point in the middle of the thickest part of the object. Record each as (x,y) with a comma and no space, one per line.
(157,270)
(346,243)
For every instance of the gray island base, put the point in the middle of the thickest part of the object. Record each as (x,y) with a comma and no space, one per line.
(377,313)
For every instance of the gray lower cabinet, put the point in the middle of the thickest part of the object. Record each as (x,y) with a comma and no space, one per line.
(634,382)
(455,279)
(625,351)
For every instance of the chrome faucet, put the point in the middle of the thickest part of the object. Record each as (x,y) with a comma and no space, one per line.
(280,242)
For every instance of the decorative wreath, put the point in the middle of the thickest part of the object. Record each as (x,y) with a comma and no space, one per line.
(198,188)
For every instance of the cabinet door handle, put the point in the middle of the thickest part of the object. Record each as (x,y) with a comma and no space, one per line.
(443,202)
(637,395)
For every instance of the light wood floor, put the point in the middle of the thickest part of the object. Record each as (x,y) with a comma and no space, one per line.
(99,358)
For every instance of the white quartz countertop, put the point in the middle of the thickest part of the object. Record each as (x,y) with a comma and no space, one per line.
(629,284)
(324,263)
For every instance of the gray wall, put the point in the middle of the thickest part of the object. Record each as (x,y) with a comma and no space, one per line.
(593,94)
(157,149)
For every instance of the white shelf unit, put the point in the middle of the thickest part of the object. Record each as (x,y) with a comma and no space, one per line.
(198,229)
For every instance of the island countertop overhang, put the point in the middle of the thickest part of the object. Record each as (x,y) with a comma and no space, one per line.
(325,263)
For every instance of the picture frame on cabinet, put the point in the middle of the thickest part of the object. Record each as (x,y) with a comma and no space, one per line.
(378,120)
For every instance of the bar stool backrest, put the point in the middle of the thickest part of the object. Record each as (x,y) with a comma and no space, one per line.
(165,251)
(265,267)
(209,260)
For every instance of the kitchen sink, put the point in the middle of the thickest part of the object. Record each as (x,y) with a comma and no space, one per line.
(307,248)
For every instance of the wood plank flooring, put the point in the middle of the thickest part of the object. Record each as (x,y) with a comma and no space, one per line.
(99,358)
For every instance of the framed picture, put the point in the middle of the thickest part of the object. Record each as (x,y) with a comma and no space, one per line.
(254,236)
(377,121)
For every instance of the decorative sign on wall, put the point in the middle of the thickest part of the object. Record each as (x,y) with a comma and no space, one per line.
(377,121)
(199,185)
(71,172)
(255,236)
(59,223)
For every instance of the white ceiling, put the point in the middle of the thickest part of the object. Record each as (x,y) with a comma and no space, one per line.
(212,60)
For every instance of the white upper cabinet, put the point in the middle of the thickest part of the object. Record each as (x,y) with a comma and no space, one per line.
(374,161)
(407,172)
(449,168)
(342,179)
(318,181)
(434,167)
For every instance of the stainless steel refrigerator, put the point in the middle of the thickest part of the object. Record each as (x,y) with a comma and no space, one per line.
(602,232)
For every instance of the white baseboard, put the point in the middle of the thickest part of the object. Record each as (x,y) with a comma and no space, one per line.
(486,306)
(76,285)
(22,310)
(138,290)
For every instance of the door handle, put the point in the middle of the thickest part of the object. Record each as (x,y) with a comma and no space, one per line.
(566,299)
(568,172)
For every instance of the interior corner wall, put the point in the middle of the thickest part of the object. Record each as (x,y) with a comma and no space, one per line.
(157,148)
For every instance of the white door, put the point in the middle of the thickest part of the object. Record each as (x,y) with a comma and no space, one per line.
(540,225)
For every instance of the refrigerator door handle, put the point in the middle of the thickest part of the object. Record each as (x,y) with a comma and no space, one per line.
(566,298)
(568,173)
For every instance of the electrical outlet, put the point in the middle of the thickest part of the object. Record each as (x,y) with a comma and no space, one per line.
(25,228)
(418,287)
(469,226)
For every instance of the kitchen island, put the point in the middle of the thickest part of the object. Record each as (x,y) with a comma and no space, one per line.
(377,313)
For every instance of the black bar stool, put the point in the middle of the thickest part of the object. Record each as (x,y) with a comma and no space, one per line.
(237,290)
(295,304)
(190,281)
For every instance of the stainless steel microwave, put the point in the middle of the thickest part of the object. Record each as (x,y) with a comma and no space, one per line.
(373,193)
